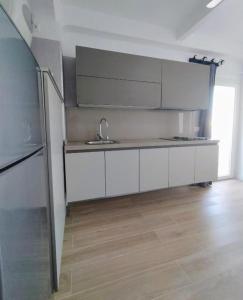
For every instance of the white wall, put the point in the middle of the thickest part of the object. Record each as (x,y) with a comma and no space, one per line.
(239,154)
(14,9)
(8,5)
(49,55)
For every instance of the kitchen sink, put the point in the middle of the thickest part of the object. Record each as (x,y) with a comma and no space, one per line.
(101,142)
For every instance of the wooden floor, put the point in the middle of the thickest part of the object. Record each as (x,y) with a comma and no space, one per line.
(176,244)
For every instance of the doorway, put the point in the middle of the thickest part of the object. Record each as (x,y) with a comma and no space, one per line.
(223,123)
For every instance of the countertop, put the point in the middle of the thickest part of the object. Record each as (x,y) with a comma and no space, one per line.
(72,147)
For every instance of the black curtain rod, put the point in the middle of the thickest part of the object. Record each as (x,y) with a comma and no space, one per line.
(204,61)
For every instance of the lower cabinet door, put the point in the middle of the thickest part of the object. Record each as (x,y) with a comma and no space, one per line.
(122,172)
(154,165)
(85,176)
(181,166)
(206,163)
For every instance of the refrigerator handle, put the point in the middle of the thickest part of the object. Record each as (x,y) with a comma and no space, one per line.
(1,277)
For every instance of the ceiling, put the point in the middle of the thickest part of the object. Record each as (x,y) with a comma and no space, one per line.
(168,14)
(225,23)
(154,24)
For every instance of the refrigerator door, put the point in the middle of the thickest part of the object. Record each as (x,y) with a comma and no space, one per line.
(20,104)
(24,231)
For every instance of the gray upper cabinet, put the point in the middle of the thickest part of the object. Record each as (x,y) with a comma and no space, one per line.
(106,78)
(185,85)
(93,91)
(108,64)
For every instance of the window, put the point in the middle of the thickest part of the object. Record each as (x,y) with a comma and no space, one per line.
(223,126)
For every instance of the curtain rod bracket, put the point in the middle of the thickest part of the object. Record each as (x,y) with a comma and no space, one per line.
(204,61)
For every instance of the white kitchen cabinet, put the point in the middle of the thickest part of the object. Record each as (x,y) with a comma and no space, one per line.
(181,166)
(206,163)
(154,165)
(85,176)
(122,172)
(91,175)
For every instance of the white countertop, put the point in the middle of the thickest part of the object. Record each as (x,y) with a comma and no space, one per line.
(134,144)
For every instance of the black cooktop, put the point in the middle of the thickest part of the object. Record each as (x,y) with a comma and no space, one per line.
(184,138)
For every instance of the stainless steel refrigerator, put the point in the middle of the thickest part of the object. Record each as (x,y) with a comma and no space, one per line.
(25,262)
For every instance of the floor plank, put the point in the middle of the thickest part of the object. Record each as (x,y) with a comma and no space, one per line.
(226,286)
(146,285)
(175,244)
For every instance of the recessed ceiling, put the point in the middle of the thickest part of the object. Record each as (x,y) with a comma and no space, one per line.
(225,23)
(178,23)
(165,13)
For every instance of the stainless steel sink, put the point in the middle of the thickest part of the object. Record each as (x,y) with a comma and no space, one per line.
(101,142)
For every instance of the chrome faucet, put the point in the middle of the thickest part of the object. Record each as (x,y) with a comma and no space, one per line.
(100,134)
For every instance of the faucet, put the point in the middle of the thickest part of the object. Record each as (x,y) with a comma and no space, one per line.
(100,134)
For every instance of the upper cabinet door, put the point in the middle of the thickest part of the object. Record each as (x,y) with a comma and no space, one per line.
(93,91)
(185,85)
(108,64)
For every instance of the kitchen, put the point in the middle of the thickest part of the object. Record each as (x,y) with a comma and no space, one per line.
(122,164)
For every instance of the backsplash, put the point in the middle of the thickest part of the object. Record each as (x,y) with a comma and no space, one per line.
(82,123)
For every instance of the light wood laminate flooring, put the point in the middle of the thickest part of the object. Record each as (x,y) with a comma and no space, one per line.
(175,244)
